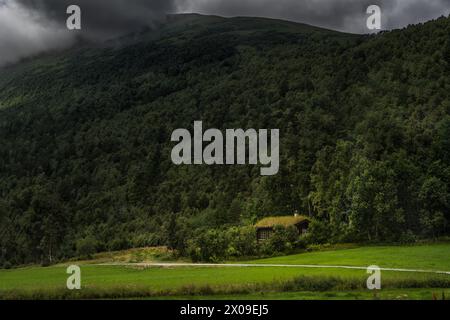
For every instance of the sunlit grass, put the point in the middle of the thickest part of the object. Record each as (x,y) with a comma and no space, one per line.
(104,281)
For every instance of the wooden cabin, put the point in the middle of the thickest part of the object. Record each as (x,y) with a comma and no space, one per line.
(265,227)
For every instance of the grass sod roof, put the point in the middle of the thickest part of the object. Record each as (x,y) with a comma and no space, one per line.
(285,221)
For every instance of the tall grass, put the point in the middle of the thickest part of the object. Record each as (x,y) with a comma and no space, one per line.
(303,283)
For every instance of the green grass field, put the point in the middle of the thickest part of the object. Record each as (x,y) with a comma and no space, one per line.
(99,281)
(433,257)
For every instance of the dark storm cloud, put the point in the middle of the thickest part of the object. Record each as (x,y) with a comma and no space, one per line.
(414,11)
(24,33)
(30,27)
(105,18)
(344,15)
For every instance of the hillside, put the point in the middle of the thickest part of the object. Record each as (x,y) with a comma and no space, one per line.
(364,133)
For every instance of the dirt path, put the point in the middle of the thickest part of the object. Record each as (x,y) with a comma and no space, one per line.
(248,265)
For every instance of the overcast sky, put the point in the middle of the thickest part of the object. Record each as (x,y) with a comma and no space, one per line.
(343,15)
(29,27)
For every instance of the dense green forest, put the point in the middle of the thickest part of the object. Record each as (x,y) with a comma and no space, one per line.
(364,137)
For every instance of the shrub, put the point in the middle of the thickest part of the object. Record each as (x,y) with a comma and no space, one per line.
(119,244)
(408,237)
(319,232)
(241,242)
(283,240)
(209,245)
(86,247)
(214,245)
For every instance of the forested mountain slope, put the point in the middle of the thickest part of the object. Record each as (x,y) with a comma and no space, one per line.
(364,135)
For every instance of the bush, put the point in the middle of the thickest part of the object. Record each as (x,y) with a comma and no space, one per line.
(209,245)
(302,242)
(86,247)
(241,242)
(319,232)
(283,240)
(119,244)
(214,245)
(408,237)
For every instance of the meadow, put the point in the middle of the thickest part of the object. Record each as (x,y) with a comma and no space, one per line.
(430,256)
(258,282)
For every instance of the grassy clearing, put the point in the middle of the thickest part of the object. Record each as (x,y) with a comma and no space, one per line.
(133,282)
(136,255)
(433,257)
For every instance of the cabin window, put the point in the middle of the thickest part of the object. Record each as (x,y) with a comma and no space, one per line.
(264,234)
